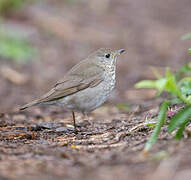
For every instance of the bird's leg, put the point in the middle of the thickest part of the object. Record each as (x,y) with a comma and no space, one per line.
(87,118)
(74,121)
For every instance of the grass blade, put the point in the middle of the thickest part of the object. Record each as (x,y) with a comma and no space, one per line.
(180,118)
(159,124)
(180,131)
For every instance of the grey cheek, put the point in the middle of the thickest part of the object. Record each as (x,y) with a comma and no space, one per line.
(102,59)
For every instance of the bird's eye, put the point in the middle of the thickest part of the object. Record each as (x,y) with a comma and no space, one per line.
(107,55)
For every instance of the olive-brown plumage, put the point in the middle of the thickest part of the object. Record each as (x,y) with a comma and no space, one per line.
(86,86)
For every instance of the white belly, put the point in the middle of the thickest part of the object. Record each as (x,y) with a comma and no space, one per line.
(90,98)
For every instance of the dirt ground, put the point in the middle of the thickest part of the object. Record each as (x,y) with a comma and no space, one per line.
(39,143)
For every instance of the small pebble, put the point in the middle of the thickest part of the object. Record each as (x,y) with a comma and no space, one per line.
(62,129)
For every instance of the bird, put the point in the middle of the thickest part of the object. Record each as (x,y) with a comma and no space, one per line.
(86,86)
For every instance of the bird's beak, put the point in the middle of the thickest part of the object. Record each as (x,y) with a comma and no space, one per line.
(118,52)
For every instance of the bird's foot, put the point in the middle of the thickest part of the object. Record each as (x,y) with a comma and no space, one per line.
(87,119)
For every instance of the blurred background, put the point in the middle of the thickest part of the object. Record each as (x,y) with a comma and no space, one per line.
(40,40)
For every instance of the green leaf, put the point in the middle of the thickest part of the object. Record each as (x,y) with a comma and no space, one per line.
(11,5)
(156,84)
(156,73)
(181,130)
(180,118)
(186,36)
(160,122)
(151,124)
(185,86)
(189,50)
(185,70)
(146,84)
(170,85)
(12,46)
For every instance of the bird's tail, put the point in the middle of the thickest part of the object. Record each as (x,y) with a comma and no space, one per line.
(33,103)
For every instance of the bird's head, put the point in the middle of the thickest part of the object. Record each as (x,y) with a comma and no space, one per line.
(106,56)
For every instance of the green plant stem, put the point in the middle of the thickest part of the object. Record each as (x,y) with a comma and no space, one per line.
(160,122)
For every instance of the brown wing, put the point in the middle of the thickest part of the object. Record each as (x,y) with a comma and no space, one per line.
(80,77)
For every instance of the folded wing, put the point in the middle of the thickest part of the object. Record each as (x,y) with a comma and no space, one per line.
(80,77)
